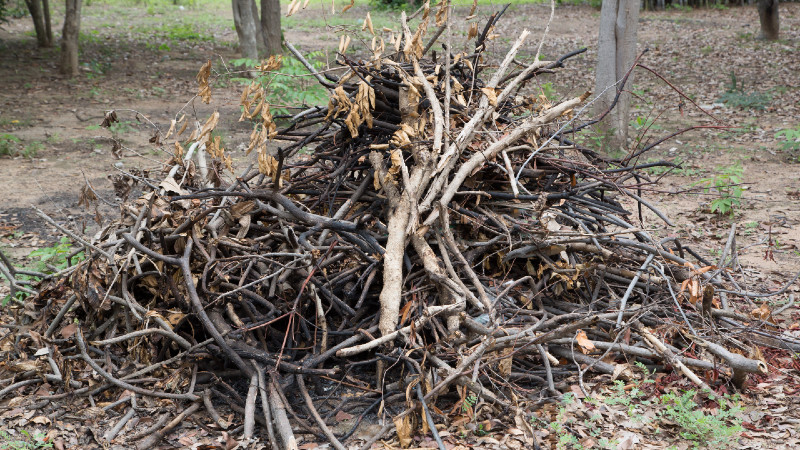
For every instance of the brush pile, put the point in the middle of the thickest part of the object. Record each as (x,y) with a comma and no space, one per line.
(433,237)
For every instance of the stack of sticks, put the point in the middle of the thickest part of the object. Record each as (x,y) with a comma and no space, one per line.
(434,233)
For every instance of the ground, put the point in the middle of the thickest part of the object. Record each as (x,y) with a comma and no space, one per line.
(144,67)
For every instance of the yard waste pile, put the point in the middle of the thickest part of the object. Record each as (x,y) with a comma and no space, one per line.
(434,237)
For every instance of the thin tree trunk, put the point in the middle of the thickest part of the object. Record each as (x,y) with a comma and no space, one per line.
(770,21)
(69,38)
(40,16)
(48,23)
(619,21)
(271,26)
(259,42)
(246,28)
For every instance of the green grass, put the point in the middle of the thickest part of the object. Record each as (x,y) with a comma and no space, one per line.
(47,260)
(23,440)
(9,145)
(290,85)
(725,186)
(736,96)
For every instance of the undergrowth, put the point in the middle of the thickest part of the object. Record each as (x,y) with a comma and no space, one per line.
(48,260)
(291,84)
(736,97)
(701,420)
(725,186)
(23,440)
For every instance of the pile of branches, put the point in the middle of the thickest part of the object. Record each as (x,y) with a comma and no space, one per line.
(434,234)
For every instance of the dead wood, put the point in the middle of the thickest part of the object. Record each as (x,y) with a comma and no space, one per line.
(433,227)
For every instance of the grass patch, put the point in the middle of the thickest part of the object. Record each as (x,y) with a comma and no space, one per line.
(47,260)
(689,418)
(290,85)
(736,97)
(23,440)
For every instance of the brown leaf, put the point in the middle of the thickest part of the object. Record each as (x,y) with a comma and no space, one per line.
(68,330)
(584,343)
(41,420)
(761,313)
(208,127)
(404,430)
(273,63)
(352,2)
(230,443)
(473,31)
(491,94)
(204,90)
(109,118)
(368,24)
(341,415)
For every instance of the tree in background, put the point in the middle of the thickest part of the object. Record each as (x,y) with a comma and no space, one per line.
(69,38)
(271,26)
(770,22)
(619,20)
(256,33)
(40,13)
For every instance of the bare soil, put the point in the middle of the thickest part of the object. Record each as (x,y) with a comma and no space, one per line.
(697,51)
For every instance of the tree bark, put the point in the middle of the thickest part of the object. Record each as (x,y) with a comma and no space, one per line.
(245,25)
(619,21)
(69,38)
(259,42)
(271,26)
(40,13)
(770,21)
(48,23)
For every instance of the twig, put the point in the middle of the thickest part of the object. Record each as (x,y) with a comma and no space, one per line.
(153,440)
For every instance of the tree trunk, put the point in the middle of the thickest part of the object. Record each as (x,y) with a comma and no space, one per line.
(271,26)
(48,24)
(619,20)
(770,21)
(69,38)
(245,25)
(40,13)
(259,42)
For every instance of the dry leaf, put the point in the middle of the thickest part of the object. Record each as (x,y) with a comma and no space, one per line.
(404,430)
(341,415)
(41,420)
(584,343)
(68,330)
(368,24)
(491,94)
(204,91)
(761,313)
(473,31)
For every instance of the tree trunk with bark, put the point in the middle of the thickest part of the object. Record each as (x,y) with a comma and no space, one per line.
(271,26)
(48,24)
(619,20)
(770,21)
(69,38)
(245,24)
(40,13)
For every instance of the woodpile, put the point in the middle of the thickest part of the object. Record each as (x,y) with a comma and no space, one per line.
(435,233)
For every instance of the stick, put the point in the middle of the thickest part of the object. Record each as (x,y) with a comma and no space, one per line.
(153,440)
(315,414)
(281,420)
(668,356)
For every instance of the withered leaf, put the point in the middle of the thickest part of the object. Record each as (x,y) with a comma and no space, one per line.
(368,24)
(584,343)
(204,90)
(109,118)
(473,30)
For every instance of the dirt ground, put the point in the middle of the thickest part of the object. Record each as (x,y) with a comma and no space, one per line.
(150,77)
